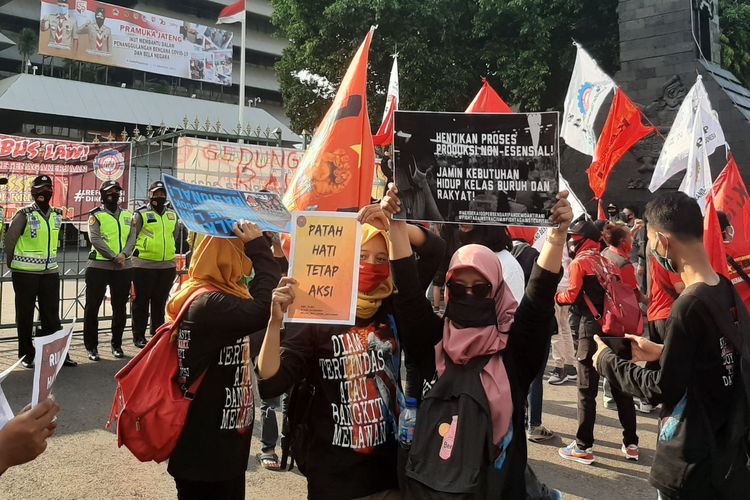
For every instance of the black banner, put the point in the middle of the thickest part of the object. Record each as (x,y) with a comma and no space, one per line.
(477,168)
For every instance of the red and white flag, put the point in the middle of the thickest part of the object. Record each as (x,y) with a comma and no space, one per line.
(234,13)
(713,240)
(384,136)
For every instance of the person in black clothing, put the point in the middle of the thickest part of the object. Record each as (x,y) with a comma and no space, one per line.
(700,370)
(213,342)
(350,447)
(515,356)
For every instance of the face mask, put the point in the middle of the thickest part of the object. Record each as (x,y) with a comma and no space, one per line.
(62,10)
(43,197)
(665,261)
(471,312)
(112,200)
(574,247)
(100,21)
(372,275)
(158,203)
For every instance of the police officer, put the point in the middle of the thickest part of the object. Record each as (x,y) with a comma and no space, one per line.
(112,244)
(154,266)
(31,253)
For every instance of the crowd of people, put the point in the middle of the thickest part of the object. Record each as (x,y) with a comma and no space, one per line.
(472,313)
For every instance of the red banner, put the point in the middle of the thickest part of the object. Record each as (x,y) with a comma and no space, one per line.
(77,170)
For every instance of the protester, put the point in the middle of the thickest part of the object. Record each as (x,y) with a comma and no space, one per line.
(343,456)
(563,354)
(157,230)
(25,436)
(31,254)
(700,375)
(584,248)
(619,242)
(638,253)
(211,456)
(112,244)
(484,323)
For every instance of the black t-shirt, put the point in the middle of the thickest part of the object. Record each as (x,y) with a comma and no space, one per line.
(213,337)
(354,414)
(695,384)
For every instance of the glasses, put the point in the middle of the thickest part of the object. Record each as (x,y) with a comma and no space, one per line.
(479,290)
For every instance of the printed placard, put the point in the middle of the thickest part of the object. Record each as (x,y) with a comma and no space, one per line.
(51,352)
(477,168)
(324,260)
(6,412)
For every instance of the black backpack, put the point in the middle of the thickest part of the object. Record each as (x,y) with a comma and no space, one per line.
(452,455)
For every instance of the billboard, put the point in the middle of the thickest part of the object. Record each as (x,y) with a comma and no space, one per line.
(247,167)
(77,169)
(100,33)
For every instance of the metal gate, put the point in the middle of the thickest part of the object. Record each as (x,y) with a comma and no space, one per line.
(154,153)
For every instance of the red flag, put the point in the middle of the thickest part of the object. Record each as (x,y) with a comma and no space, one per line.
(232,13)
(601,214)
(713,240)
(384,136)
(621,132)
(488,101)
(336,172)
(732,198)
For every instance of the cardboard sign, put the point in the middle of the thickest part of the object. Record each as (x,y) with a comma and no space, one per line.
(324,260)
(213,211)
(51,352)
(477,168)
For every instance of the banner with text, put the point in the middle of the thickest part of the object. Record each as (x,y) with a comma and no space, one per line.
(248,167)
(213,211)
(77,169)
(324,244)
(483,168)
(100,33)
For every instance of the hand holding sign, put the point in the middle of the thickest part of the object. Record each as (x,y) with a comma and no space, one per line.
(282,297)
(247,231)
(25,436)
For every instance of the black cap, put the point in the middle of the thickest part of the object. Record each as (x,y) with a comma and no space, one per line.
(601,225)
(155,186)
(42,181)
(109,185)
(587,229)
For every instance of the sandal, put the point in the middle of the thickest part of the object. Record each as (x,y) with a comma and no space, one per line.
(269,461)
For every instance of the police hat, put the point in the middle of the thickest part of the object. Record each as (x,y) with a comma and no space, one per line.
(110,185)
(42,181)
(155,186)
(587,229)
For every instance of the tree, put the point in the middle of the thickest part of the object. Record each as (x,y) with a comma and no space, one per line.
(734,21)
(445,47)
(27,46)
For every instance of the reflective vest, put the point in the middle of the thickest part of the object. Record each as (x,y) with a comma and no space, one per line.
(36,248)
(114,232)
(156,240)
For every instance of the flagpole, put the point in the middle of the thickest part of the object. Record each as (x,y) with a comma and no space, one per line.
(242,66)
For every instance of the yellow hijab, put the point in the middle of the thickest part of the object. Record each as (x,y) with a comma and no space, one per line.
(369,303)
(219,263)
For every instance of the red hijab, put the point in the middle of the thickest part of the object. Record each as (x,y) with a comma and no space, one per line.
(462,345)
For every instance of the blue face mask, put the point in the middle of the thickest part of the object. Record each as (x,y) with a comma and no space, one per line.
(665,261)
(62,10)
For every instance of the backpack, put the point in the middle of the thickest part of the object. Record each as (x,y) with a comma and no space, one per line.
(295,426)
(150,407)
(452,455)
(622,312)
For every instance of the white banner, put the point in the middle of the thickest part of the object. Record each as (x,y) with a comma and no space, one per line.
(588,89)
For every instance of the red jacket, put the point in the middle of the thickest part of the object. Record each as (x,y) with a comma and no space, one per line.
(582,278)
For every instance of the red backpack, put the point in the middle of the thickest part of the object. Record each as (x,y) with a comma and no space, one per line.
(150,407)
(622,313)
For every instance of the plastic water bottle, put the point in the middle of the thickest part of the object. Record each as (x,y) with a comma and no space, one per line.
(407,422)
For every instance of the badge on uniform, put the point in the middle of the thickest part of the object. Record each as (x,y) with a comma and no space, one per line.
(92,220)
(150,217)
(127,221)
(58,223)
(171,216)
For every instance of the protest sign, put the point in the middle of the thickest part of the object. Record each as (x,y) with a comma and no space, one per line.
(6,412)
(77,170)
(325,246)
(477,168)
(101,33)
(51,351)
(247,167)
(213,211)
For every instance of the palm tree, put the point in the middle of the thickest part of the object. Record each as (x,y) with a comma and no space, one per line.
(27,46)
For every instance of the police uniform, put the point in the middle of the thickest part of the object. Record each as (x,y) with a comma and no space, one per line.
(111,235)
(31,253)
(154,266)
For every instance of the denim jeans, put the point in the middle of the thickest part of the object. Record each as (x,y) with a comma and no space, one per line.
(269,425)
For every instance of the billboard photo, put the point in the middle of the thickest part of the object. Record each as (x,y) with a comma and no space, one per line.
(100,33)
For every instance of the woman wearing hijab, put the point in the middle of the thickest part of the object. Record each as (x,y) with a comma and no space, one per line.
(211,456)
(350,446)
(482,319)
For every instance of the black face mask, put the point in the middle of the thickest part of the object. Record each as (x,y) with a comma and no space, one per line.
(574,247)
(111,201)
(471,312)
(42,198)
(158,203)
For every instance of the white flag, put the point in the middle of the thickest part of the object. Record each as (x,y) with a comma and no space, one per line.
(588,89)
(676,151)
(578,209)
(392,96)
(697,181)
